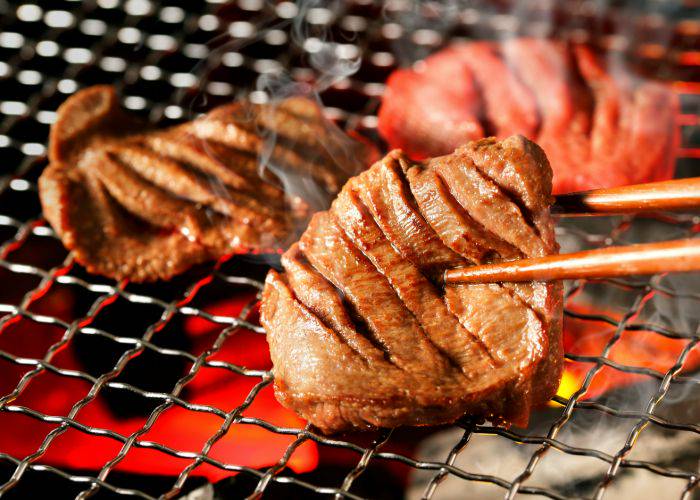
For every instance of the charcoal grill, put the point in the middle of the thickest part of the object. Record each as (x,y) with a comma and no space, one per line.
(172,60)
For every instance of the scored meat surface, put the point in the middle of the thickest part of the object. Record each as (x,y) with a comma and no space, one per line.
(599,126)
(361,330)
(143,204)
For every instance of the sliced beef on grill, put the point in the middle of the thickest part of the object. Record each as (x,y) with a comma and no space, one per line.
(420,297)
(139,197)
(358,291)
(321,377)
(189,183)
(107,230)
(455,227)
(296,145)
(386,194)
(225,170)
(205,189)
(521,170)
(322,298)
(629,118)
(548,68)
(482,199)
(590,117)
(485,310)
(312,349)
(93,113)
(654,131)
(509,107)
(388,320)
(430,97)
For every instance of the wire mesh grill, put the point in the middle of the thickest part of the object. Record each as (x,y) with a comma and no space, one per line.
(154,51)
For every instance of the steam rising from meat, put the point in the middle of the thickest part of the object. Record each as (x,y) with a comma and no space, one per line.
(337,146)
(329,62)
(619,27)
(142,205)
(591,121)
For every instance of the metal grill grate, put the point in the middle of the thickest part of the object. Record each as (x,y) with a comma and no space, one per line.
(153,51)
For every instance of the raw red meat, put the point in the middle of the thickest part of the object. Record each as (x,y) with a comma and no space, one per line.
(438,97)
(591,121)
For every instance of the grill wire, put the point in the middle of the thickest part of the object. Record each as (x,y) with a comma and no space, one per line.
(154,54)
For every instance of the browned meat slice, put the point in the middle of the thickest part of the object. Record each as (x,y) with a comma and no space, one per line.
(188,184)
(520,169)
(294,148)
(321,298)
(544,298)
(315,346)
(482,308)
(205,190)
(234,168)
(228,172)
(96,228)
(296,122)
(419,295)
(481,198)
(386,194)
(357,394)
(139,197)
(93,112)
(518,166)
(362,334)
(371,295)
(451,222)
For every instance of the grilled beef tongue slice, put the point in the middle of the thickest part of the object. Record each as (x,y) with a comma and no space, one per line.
(361,332)
(144,204)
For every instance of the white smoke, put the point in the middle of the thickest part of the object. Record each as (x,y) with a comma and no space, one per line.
(327,62)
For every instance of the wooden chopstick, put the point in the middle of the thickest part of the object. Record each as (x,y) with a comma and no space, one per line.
(677,194)
(646,258)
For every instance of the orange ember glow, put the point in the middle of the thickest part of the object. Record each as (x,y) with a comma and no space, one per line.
(246,444)
(689,58)
(586,339)
(177,428)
